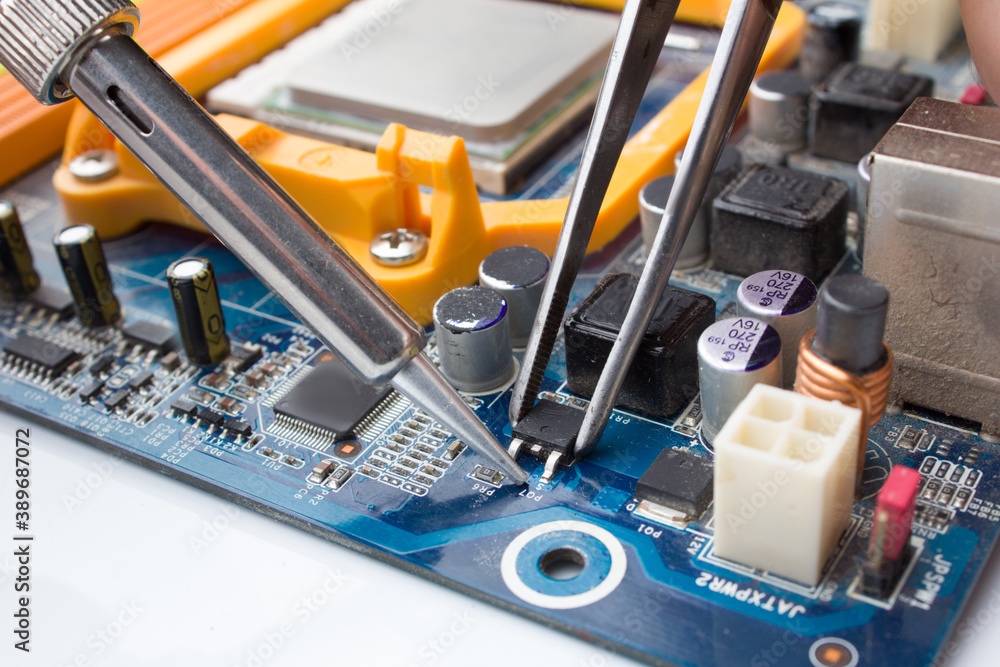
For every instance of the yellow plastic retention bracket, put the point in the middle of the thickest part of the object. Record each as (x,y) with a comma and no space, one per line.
(354,195)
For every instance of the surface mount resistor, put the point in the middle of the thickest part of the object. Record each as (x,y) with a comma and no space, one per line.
(82,259)
(199,312)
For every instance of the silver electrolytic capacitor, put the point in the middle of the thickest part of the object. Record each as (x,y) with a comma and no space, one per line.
(778,111)
(518,274)
(653,200)
(787,301)
(473,338)
(82,259)
(734,355)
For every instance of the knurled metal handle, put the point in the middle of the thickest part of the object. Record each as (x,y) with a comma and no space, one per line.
(38,38)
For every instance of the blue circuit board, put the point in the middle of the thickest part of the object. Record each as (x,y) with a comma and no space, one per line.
(651,591)
(648,590)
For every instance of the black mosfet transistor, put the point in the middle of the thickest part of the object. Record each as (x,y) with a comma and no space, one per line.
(770,217)
(664,374)
(551,426)
(679,481)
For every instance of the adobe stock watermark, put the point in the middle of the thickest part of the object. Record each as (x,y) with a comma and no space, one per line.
(87,485)
(424,146)
(434,648)
(225,7)
(102,639)
(463,109)
(645,610)
(559,13)
(379,19)
(982,620)
(987,269)
(271,642)
(212,530)
(777,651)
(901,13)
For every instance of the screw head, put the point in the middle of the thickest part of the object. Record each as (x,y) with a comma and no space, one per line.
(399,247)
(94,166)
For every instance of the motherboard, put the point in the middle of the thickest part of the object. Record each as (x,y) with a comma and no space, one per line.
(279,425)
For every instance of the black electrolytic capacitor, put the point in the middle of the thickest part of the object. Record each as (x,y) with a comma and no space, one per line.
(832,38)
(850,323)
(199,312)
(86,270)
(17,270)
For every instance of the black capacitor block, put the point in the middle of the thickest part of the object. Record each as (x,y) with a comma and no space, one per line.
(772,217)
(664,374)
(854,108)
(150,335)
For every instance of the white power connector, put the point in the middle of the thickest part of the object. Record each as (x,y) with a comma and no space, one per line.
(785,470)
(918,29)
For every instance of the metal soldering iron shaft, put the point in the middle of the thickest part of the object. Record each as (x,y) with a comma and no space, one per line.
(236,199)
(638,42)
(269,232)
(744,37)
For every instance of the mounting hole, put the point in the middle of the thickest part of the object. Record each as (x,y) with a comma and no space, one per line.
(562,564)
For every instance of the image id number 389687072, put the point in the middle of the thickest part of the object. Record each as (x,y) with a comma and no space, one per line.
(22,539)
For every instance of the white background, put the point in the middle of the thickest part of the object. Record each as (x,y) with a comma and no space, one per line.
(131,568)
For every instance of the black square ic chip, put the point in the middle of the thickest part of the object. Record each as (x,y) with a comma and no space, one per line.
(330,397)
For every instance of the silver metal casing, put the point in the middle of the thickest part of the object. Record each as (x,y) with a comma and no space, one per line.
(933,239)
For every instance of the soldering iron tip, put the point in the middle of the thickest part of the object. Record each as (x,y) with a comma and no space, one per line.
(422,383)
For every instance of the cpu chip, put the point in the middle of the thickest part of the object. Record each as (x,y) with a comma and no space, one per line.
(511,77)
